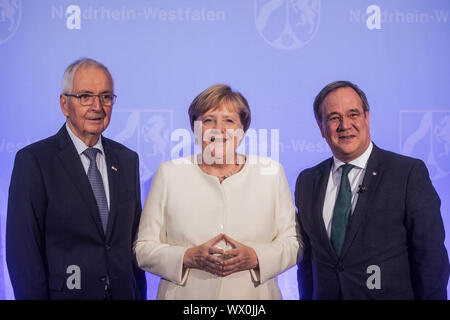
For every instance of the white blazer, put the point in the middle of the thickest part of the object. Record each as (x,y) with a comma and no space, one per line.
(187,207)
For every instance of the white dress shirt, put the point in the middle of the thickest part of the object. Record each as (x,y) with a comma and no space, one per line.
(101,161)
(355,177)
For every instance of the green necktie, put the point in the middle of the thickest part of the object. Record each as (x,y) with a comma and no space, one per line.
(341,211)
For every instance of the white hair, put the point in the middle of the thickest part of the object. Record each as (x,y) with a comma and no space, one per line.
(67,83)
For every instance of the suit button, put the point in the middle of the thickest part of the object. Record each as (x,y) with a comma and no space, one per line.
(340,268)
(107,247)
(103,278)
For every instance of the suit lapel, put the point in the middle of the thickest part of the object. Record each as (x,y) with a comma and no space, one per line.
(372,177)
(74,168)
(112,168)
(320,188)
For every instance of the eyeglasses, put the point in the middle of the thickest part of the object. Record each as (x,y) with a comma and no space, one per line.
(336,119)
(87,99)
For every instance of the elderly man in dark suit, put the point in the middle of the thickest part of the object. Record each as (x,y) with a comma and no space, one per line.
(74,202)
(370,219)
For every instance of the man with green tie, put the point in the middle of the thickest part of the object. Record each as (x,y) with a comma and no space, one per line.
(370,219)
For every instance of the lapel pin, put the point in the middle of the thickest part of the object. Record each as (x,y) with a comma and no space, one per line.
(114,168)
(374,173)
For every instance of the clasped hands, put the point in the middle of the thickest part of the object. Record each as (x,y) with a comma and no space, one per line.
(218,261)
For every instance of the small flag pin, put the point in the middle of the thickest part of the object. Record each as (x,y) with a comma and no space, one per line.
(374,173)
(114,168)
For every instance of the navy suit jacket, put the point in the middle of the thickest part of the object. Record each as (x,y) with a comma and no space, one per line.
(53,223)
(396,225)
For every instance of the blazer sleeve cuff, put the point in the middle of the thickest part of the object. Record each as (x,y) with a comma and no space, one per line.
(184,276)
(256,278)
(168,263)
(273,261)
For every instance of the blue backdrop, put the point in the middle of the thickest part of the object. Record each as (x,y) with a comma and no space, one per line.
(279,54)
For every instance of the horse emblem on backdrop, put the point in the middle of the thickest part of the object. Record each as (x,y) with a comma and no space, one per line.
(10,16)
(148,133)
(287,24)
(426,135)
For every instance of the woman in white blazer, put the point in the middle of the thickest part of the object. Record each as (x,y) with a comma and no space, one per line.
(218,225)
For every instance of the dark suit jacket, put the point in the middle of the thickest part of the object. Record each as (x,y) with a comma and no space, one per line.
(53,223)
(396,225)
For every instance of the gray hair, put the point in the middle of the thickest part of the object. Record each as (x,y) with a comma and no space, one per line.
(333,87)
(69,73)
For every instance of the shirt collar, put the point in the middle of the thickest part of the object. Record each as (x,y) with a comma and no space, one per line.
(80,145)
(359,162)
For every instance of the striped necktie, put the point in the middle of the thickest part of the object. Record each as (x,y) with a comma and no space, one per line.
(96,181)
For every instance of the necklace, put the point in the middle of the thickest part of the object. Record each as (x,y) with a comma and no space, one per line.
(233,171)
(229,174)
